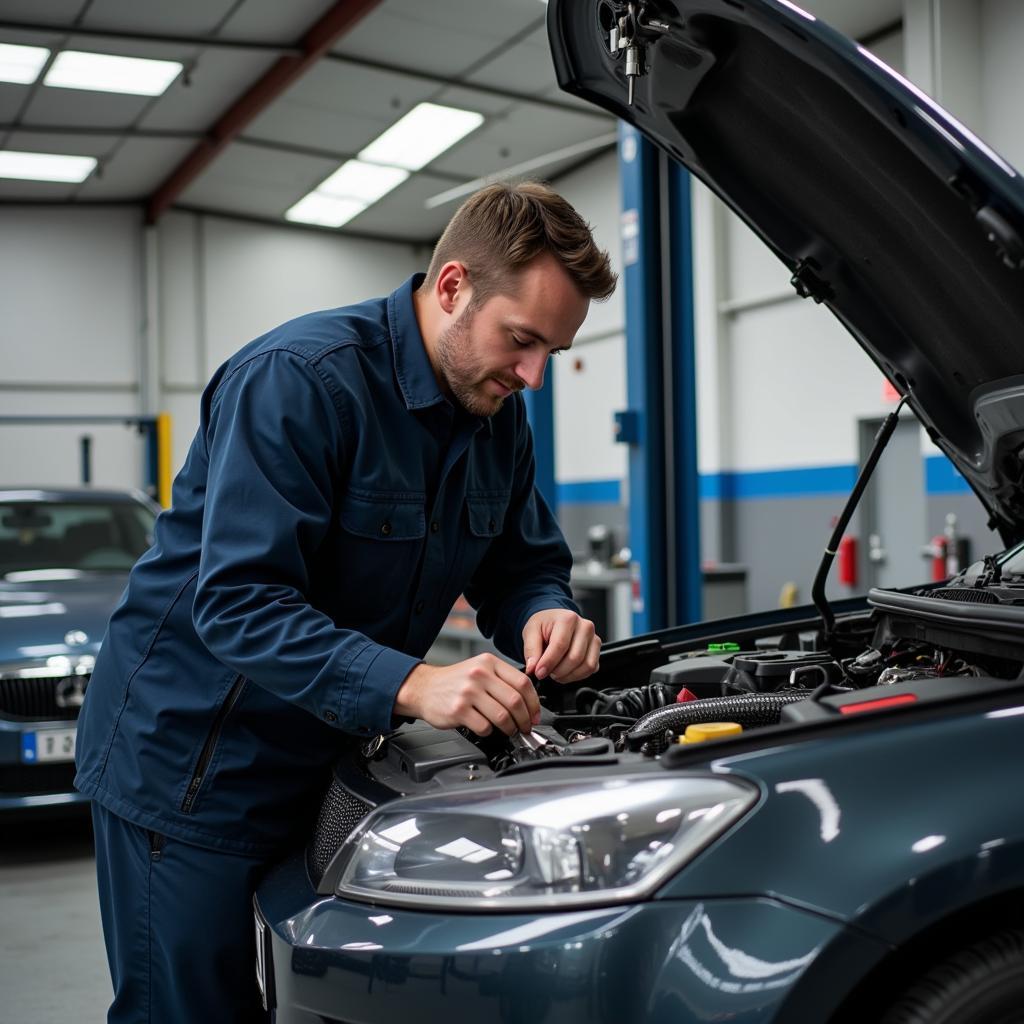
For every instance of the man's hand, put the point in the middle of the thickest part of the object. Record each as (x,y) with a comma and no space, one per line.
(478,693)
(561,644)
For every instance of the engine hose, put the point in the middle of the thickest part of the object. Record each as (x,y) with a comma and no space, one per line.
(746,709)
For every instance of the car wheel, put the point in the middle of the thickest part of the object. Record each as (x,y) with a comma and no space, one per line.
(981,984)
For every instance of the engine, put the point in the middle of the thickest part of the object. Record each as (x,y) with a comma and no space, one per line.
(952,638)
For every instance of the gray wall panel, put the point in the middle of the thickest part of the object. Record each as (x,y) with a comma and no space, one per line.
(576,519)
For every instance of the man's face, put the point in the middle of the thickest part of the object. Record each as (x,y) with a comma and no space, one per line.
(503,346)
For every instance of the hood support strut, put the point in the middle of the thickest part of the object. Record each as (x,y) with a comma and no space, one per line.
(885,431)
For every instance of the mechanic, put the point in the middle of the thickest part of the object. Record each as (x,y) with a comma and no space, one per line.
(354,471)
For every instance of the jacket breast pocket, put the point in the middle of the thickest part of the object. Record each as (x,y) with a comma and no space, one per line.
(381,542)
(485,522)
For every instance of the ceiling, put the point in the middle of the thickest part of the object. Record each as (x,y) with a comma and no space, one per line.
(490,56)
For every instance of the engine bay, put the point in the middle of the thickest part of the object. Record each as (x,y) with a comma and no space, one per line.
(921,646)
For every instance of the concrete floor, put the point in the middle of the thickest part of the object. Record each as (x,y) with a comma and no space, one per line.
(52,963)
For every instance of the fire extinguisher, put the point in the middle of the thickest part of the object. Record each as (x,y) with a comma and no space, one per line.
(846,557)
(937,549)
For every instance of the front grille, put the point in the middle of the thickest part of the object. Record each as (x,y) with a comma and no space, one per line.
(36,699)
(963,594)
(339,815)
(33,779)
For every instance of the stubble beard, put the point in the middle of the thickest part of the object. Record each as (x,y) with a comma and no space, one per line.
(462,371)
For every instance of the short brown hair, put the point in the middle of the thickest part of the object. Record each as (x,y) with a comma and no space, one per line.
(501,228)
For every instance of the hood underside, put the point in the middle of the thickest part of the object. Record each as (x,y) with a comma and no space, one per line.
(885,208)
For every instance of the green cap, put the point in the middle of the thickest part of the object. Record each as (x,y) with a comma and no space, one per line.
(726,648)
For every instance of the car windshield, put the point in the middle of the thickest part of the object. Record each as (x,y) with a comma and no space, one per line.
(90,536)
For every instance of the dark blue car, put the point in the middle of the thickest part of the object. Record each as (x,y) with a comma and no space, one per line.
(64,560)
(802,816)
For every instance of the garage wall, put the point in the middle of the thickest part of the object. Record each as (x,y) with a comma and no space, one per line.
(70,332)
(590,381)
(74,338)
(1000,77)
(224,282)
(781,387)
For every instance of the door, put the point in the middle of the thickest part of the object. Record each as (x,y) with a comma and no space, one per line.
(893,514)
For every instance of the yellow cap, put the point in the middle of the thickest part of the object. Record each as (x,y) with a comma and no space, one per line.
(702,731)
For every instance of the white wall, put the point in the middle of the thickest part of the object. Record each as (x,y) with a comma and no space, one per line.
(590,381)
(767,360)
(224,282)
(1001,75)
(74,338)
(70,327)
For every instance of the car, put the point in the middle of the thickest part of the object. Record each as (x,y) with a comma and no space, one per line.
(64,561)
(802,815)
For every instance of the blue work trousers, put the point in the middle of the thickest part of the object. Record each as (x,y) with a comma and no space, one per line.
(178,926)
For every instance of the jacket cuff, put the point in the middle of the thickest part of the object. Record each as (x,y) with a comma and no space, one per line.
(380,672)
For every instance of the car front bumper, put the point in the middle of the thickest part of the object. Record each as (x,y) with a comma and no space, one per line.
(738,959)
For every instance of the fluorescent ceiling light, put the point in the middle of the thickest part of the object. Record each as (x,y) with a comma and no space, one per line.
(424,133)
(103,72)
(367,182)
(327,211)
(45,166)
(21,64)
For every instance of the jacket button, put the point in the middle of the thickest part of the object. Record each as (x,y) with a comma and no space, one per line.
(435,526)
(385,528)
(419,607)
(490,525)
(330,716)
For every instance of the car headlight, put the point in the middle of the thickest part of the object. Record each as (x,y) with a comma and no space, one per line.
(541,845)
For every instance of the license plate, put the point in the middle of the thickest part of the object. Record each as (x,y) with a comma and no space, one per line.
(48,745)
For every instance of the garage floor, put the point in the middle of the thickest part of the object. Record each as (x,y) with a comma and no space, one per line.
(52,963)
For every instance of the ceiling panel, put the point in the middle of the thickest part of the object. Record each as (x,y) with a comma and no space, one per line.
(337,106)
(217,80)
(136,169)
(524,132)
(526,66)
(55,12)
(468,98)
(12,97)
(183,17)
(22,38)
(402,213)
(555,93)
(443,37)
(77,145)
(84,108)
(262,182)
(272,20)
(49,190)
(133,48)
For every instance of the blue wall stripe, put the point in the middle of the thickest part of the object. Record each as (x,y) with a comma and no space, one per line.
(806,481)
(941,477)
(589,492)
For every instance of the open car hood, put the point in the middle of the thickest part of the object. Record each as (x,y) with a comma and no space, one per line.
(884,207)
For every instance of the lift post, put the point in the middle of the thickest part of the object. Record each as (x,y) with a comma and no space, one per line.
(541,414)
(660,424)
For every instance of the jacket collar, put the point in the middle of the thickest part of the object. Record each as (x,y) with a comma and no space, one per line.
(413,371)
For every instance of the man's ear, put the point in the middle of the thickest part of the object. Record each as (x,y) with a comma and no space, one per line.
(452,287)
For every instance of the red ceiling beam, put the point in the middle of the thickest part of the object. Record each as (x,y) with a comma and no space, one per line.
(313,45)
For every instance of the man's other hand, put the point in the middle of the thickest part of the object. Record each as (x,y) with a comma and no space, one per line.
(561,644)
(478,693)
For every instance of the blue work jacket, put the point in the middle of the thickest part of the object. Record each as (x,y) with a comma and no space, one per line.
(332,507)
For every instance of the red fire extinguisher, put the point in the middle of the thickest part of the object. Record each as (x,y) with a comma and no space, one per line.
(937,549)
(846,556)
